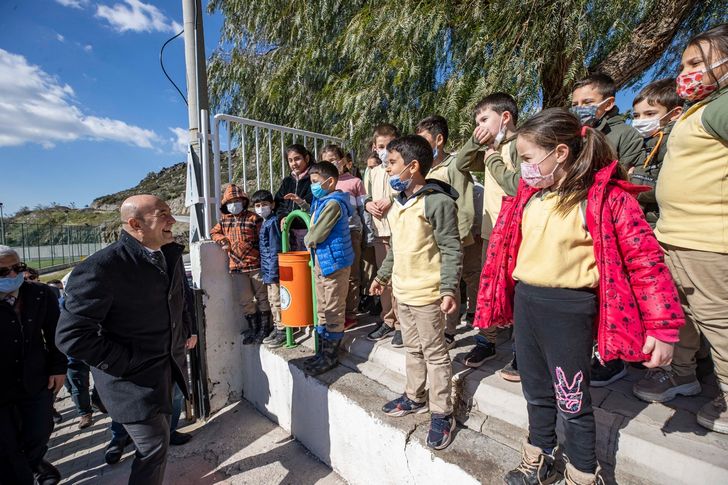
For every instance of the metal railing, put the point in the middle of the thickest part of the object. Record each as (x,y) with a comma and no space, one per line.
(261,147)
(44,246)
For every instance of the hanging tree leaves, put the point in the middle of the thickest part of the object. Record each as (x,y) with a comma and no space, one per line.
(326,65)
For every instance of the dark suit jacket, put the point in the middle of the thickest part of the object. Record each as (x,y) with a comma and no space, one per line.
(128,320)
(28,353)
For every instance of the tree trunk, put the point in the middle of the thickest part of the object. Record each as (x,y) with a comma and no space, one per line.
(647,43)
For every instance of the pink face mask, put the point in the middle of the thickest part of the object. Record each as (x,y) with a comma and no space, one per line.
(531,174)
(691,86)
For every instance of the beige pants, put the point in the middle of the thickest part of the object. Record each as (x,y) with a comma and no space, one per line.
(331,293)
(368,267)
(423,333)
(389,303)
(274,298)
(352,300)
(702,282)
(251,292)
(471,276)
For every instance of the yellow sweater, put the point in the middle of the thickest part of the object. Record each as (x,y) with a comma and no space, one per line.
(557,251)
(692,189)
(493,193)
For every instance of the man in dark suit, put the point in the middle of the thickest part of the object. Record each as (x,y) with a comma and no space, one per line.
(32,370)
(124,314)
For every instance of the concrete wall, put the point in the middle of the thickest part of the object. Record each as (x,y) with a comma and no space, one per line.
(224,322)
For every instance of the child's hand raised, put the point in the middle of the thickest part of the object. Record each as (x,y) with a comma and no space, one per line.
(376,288)
(482,136)
(296,199)
(661,352)
(448,305)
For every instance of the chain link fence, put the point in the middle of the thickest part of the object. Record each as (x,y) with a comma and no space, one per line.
(45,246)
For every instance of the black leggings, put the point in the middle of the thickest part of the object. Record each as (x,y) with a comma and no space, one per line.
(554,337)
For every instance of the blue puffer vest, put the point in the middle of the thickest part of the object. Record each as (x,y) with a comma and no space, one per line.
(336,251)
(269,241)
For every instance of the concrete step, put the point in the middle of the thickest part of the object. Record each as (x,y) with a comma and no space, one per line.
(338,418)
(637,442)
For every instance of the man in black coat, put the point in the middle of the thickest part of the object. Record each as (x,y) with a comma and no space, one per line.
(124,314)
(32,370)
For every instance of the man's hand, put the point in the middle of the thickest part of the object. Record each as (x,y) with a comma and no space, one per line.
(376,288)
(191,342)
(373,208)
(661,352)
(55,383)
(448,305)
(296,199)
(482,136)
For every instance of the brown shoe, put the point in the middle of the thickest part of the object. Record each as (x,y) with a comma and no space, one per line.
(714,415)
(661,385)
(572,476)
(86,421)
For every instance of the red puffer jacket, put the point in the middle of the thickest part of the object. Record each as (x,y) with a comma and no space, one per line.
(637,296)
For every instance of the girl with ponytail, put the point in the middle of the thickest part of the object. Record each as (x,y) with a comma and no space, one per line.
(572,259)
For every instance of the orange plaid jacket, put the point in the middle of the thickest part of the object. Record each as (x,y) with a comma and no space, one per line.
(242,231)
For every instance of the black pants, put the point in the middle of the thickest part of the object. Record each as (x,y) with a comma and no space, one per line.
(554,335)
(151,438)
(26,424)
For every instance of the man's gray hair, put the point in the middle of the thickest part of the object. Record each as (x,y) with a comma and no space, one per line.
(6,251)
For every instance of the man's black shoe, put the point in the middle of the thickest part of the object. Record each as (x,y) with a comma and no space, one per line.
(179,439)
(116,449)
(46,474)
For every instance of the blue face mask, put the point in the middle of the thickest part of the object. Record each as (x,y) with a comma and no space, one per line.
(318,191)
(398,184)
(8,285)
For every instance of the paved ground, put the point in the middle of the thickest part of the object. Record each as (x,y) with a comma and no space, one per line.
(238,446)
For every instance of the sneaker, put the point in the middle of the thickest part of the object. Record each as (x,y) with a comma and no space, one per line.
(510,372)
(402,406)
(271,336)
(350,322)
(450,341)
(660,385)
(714,415)
(468,320)
(115,449)
(46,474)
(536,468)
(382,331)
(178,439)
(276,339)
(441,429)
(57,418)
(481,352)
(397,342)
(572,476)
(86,421)
(603,375)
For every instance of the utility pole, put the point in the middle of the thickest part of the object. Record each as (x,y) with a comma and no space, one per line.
(197,99)
(2,223)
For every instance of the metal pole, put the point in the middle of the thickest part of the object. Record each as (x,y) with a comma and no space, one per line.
(197,98)
(2,223)
(257,158)
(270,158)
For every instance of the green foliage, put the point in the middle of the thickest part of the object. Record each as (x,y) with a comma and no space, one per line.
(322,65)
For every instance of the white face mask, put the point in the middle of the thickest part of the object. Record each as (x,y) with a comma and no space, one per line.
(263,211)
(383,154)
(235,208)
(648,127)
(500,136)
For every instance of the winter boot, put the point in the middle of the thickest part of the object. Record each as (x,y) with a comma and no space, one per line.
(572,476)
(265,327)
(315,358)
(536,468)
(328,360)
(253,328)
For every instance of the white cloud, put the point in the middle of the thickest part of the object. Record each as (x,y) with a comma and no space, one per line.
(60,38)
(88,48)
(73,3)
(181,139)
(137,16)
(36,108)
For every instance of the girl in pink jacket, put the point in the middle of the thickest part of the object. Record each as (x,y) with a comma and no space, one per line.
(572,258)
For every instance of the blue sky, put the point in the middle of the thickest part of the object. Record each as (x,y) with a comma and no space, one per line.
(84,107)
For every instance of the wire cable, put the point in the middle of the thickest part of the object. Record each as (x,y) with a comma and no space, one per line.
(161,63)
